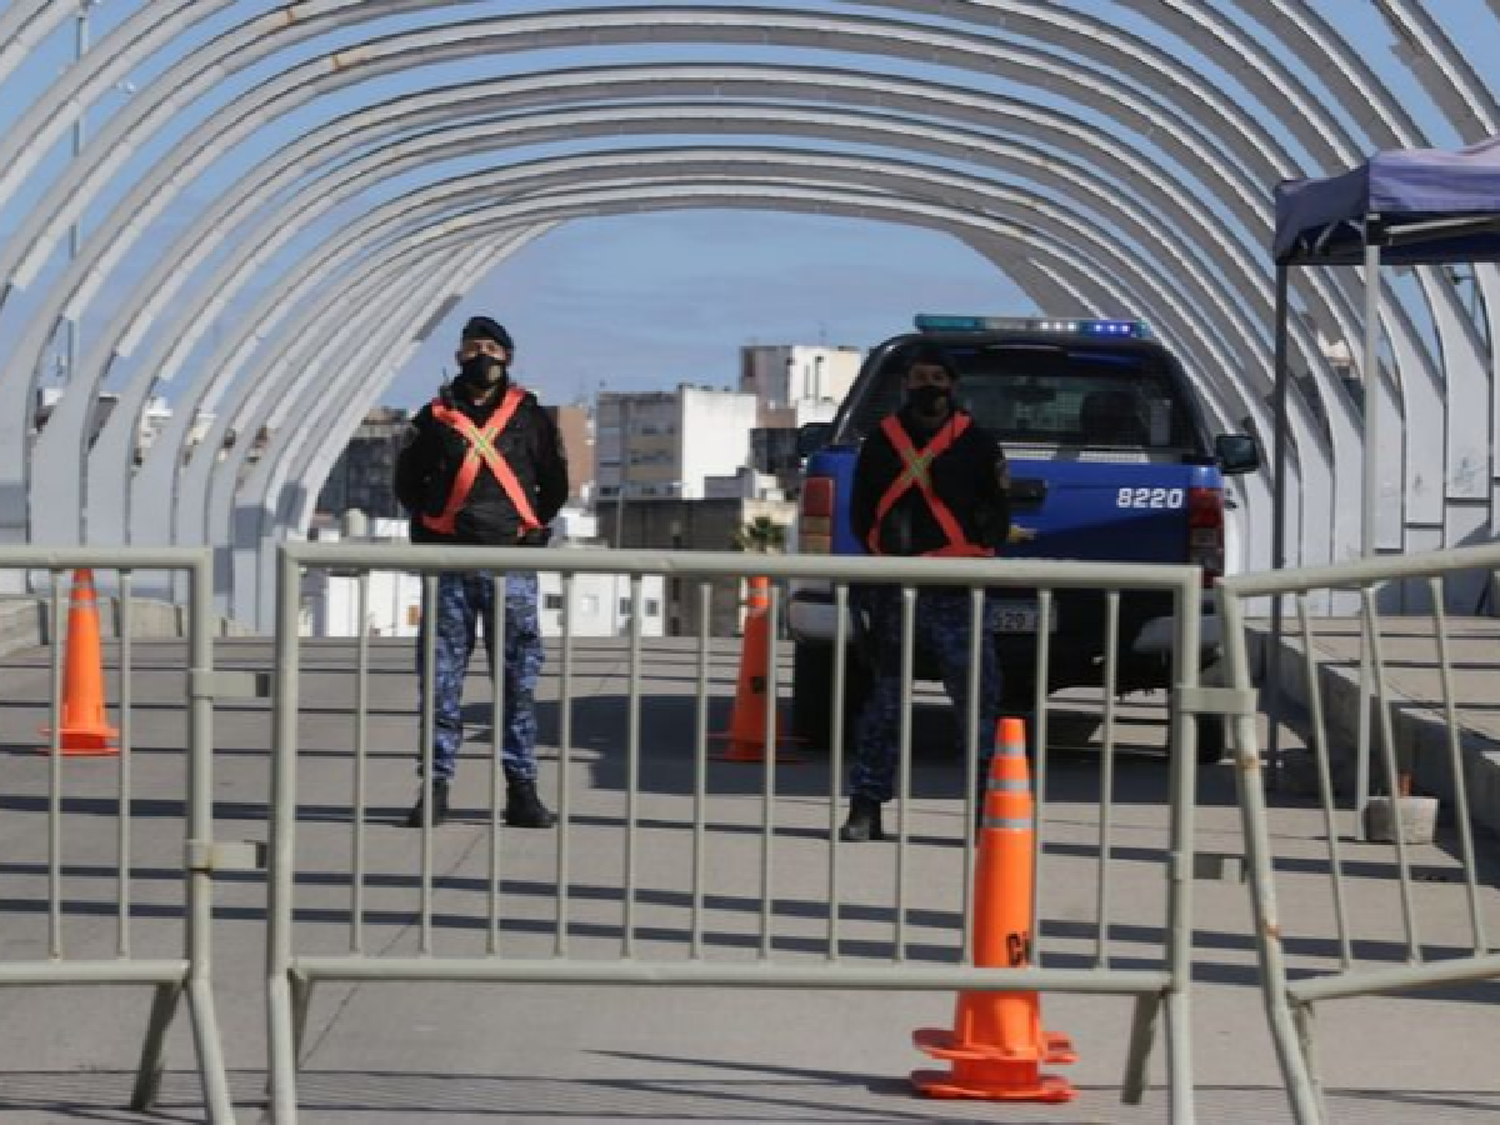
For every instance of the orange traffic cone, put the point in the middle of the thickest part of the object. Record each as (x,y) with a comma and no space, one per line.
(747,721)
(997,1045)
(85,726)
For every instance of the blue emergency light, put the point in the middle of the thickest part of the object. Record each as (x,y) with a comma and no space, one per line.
(1117,329)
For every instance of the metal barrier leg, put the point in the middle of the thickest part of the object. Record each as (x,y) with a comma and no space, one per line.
(148,1076)
(1180,1056)
(1142,1035)
(1302,1014)
(283,1048)
(210,1053)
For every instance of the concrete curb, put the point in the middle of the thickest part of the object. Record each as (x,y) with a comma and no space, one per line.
(1418,723)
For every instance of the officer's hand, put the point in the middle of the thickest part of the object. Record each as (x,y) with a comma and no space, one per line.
(1019,534)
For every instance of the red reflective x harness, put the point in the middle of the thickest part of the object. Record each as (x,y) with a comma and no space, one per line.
(482,450)
(916,473)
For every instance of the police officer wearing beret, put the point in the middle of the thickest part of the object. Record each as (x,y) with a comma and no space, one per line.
(483,465)
(929,481)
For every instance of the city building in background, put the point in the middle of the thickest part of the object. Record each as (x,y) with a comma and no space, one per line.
(361,477)
(667,443)
(576,425)
(699,525)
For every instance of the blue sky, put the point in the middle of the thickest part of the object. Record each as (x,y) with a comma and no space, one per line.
(643,302)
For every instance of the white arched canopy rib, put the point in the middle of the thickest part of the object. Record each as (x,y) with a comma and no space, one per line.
(1217,150)
(383,159)
(144,195)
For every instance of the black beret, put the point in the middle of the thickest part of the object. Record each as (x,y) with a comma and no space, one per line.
(484,328)
(926,353)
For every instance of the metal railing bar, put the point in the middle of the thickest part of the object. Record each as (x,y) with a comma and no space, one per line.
(1038,737)
(430,614)
(1001,573)
(838,735)
(1397,978)
(564,770)
(903,763)
(361,764)
(1325,782)
(125,780)
(700,771)
(1456,768)
(632,768)
(54,777)
(769,751)
(1392,774)
(1107,773)
(978,638)
(736,974)
(495,631)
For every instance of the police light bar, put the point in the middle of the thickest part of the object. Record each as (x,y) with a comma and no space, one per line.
(1118,329)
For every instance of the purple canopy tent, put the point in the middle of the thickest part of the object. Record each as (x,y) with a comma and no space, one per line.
(1406,207)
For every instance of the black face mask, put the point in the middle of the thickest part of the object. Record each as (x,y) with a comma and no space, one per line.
(481,371)
(925,400)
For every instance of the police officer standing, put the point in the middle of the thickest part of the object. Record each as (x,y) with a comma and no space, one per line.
(483,465)
(929,481)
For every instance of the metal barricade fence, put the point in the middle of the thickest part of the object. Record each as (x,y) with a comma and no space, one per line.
(754,893)
(1387,917)
(53,871)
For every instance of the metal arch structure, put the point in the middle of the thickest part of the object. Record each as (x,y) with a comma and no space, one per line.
(228,471)
(33,12)
(629,195)
(133,208)
(105,494)
(215,285)
(42,318)
(162,284)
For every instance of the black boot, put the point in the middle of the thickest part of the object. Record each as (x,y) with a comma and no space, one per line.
(523,808)
(864,821)
(439,806)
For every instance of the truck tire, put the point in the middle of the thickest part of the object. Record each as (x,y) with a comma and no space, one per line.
(812,696)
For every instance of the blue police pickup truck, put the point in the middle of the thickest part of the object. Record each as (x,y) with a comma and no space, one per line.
(1110,461)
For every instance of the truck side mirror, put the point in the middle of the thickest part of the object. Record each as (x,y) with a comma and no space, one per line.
(1237,453)
(813,436)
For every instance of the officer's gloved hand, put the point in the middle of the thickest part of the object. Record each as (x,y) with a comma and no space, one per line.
(537,538)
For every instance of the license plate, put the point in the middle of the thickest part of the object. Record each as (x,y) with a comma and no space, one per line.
(1020,617)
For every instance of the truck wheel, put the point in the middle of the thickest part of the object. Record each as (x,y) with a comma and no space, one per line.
(812,696)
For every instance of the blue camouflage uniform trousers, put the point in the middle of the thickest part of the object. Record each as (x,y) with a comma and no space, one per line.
(466,604)
(941,630)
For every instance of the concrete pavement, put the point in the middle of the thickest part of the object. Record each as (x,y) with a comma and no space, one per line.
(458,1053)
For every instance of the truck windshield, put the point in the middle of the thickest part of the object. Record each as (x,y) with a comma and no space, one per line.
(1045,394)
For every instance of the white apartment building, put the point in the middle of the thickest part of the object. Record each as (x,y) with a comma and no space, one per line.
(797,383)
(666,444)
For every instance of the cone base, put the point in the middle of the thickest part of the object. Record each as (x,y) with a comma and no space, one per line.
(940,1044)
(83,742)
(995,1088)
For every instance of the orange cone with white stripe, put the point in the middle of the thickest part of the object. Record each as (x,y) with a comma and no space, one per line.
(85,726)
(997,1045)
(747,722)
